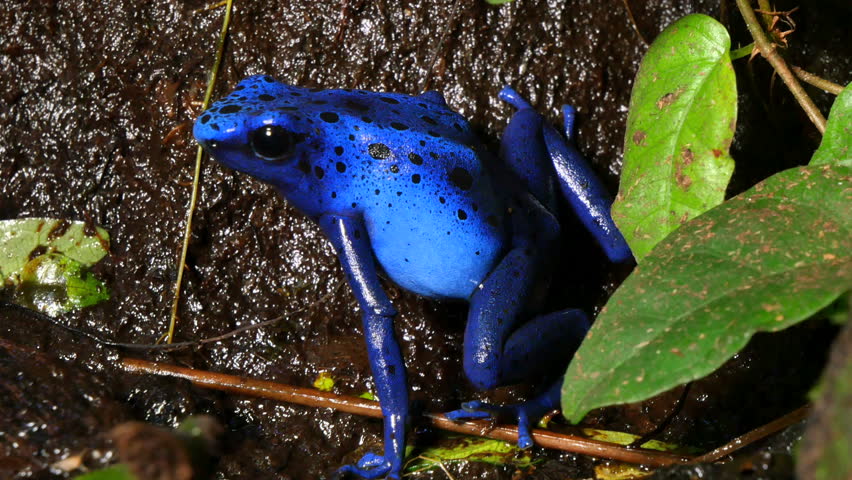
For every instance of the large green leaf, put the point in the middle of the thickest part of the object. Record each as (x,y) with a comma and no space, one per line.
(837,142)
(764,260)
(680,125)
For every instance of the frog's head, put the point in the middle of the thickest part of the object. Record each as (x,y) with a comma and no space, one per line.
(257,130)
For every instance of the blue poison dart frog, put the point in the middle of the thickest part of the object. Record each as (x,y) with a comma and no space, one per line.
(399,184)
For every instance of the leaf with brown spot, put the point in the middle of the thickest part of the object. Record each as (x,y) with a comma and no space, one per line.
(682,116)
(22,239)
(44,263)
(837,142)
(762,261)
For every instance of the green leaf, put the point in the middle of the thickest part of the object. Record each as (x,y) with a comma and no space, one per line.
(680,125)
(620,471)
(324,382)
(624,438)
(25,238)
(55,284)
(452,449)
(762,261)
(45,263)
(369,396)
(837,142)
(498,2)
(827,441)
(115,472)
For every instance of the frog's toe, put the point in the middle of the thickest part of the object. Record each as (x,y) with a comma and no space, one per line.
(521,413)
(508,94)
(525,440)
(370,460)
(467,412)
(370,466)
(476,410)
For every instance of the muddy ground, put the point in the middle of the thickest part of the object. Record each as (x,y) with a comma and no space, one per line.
(97,104)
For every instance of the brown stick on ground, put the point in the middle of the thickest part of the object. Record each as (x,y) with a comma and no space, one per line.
(758,433)
(360,406)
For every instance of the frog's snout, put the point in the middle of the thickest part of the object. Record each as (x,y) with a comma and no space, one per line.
(201,131)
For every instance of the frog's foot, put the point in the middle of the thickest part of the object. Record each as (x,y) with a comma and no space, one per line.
(525,413)
(371,465)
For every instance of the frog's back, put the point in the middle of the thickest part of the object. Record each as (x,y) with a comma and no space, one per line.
(417,175)
(413,168)
(437,227)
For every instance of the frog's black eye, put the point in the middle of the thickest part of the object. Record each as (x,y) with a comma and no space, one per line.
(272,142)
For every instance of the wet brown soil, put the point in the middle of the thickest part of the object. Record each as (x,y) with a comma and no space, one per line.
(97,104)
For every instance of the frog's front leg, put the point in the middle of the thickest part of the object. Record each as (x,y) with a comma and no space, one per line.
(497,350)
(350,240)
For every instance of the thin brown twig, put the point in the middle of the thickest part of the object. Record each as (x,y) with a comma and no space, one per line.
(757,434)
(764,8)
(633,22)
(196,176)
(816,81)
(772,18)
(427,82)
(359,406)
(767,49)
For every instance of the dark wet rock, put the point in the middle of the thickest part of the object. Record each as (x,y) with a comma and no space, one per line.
(92,90)
(51,409)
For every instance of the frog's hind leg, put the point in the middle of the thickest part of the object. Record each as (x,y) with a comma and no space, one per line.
(584,191)
(540,344)
(497,350)
(523,151)
(546,161)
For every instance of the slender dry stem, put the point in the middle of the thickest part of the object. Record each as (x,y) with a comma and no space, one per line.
(193,199)
(818,82)
(757,434)
(768,51)
(633,22)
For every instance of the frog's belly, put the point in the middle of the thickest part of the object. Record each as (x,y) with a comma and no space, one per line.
(432,256)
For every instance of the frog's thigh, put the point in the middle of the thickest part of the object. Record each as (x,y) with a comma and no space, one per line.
(494,310)
(539,345)
(496,350)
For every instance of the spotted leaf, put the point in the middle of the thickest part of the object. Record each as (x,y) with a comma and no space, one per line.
(837,142)
(680,124)
(762,261)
